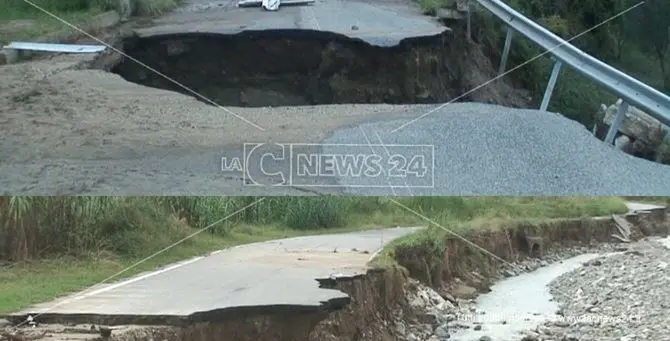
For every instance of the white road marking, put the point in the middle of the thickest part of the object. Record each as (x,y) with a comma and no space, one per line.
(136,279)
(636,206)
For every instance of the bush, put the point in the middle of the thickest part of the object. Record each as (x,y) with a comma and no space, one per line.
(135,226)
(36,227)
(293,212)
(575,96)
(316,212)
(140,7)
(154,7)
(57,5)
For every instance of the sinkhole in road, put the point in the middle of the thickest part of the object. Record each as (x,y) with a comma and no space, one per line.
(298,67)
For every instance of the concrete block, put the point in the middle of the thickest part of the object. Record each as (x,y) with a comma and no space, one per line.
(638,124)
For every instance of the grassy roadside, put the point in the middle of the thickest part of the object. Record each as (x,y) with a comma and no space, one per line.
(126,230)
(526,211)
(38,281)
(650,200)
(21,20)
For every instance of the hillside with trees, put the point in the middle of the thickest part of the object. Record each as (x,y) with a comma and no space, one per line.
(631,35)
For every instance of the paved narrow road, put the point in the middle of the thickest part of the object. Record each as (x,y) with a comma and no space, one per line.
(269,274)
(378,22)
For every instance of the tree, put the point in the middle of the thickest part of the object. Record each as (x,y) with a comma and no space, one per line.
(652,31)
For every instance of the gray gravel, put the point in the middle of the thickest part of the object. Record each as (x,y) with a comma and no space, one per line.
(625,297)
(492,150)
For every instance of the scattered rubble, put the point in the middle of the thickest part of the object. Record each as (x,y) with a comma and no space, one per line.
(639,134)
(432,314)
(532,264)
(623,297)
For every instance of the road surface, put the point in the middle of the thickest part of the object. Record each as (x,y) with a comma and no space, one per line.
(377,22)
(272,275)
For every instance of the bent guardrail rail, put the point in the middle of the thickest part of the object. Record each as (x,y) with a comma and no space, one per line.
(630,90)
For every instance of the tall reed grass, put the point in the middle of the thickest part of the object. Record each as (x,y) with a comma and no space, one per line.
(36,227)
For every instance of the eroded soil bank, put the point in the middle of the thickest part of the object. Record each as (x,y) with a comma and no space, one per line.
(301,67)
(389,305)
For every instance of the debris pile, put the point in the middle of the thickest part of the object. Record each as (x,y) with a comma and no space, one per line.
(639,134)
(431,315)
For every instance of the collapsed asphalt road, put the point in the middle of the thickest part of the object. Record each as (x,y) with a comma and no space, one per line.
(66,129)
(378,22)
(274,275)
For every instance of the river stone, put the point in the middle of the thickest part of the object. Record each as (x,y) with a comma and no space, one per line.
(442,332)
(401,329)
(529,337)
(427,318)
(619,298)
(464,291)
(624,143)
(448,297)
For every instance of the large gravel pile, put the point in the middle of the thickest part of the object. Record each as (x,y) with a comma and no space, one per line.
(489,150)
(624,297)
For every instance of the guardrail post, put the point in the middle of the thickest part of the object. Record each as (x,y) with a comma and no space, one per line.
(550,87)
(505,53)
(616,122)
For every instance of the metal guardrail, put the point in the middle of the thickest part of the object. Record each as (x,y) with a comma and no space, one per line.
(69,48)
(629,89)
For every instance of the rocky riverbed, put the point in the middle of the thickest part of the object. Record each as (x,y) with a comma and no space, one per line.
(609,292)
(625,297)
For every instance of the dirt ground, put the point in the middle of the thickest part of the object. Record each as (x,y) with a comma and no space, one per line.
(53,114)
(51,109)
(68,129)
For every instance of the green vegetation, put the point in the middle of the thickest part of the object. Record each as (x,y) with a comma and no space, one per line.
(467,215)
(651,200)
(14,14)
(635,42)
(50,246)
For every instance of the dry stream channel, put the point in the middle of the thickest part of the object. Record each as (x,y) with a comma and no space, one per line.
(616,293)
